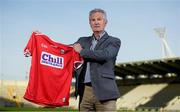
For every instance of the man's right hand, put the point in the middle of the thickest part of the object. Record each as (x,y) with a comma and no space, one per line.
(77,47)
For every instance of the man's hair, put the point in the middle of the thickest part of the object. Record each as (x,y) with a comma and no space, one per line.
(98,10)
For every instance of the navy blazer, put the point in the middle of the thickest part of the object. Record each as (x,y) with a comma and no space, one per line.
(102,62)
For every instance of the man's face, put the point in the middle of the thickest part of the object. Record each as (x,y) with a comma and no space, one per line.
(97,22)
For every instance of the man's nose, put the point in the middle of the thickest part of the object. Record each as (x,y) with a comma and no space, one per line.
(96,22)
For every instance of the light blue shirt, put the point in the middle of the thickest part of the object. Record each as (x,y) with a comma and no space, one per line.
(93,45)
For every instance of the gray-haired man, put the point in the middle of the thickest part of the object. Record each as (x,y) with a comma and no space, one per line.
(95,80)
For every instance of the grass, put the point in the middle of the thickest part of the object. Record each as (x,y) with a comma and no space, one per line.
(59,109)
(35,109)
(28,109)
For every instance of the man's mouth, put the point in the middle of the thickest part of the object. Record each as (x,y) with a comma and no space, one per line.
(96,26)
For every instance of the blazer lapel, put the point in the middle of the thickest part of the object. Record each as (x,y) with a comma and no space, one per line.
(103,38)
(89,42)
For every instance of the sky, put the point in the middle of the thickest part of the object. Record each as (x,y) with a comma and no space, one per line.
(64,21)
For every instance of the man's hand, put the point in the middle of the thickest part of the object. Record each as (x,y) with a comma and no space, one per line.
(77,47)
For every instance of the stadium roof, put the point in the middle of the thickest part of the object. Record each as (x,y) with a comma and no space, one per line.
(157,66)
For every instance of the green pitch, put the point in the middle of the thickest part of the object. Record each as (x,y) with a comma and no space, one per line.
(59,109)
(16,109)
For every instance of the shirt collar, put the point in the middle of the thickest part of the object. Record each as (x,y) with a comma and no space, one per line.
(101,35)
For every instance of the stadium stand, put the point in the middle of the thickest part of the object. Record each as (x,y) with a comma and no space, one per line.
(149,85)
(139,95)
(164,96)
(173,104)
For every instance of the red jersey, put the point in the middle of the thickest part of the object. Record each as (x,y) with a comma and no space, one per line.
(51,70)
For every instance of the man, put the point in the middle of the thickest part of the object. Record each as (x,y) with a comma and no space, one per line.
(96,84)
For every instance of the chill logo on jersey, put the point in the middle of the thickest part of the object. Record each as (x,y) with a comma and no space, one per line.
(52,60)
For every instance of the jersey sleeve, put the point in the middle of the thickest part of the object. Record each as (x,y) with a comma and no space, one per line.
(78,60)
(28,50)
